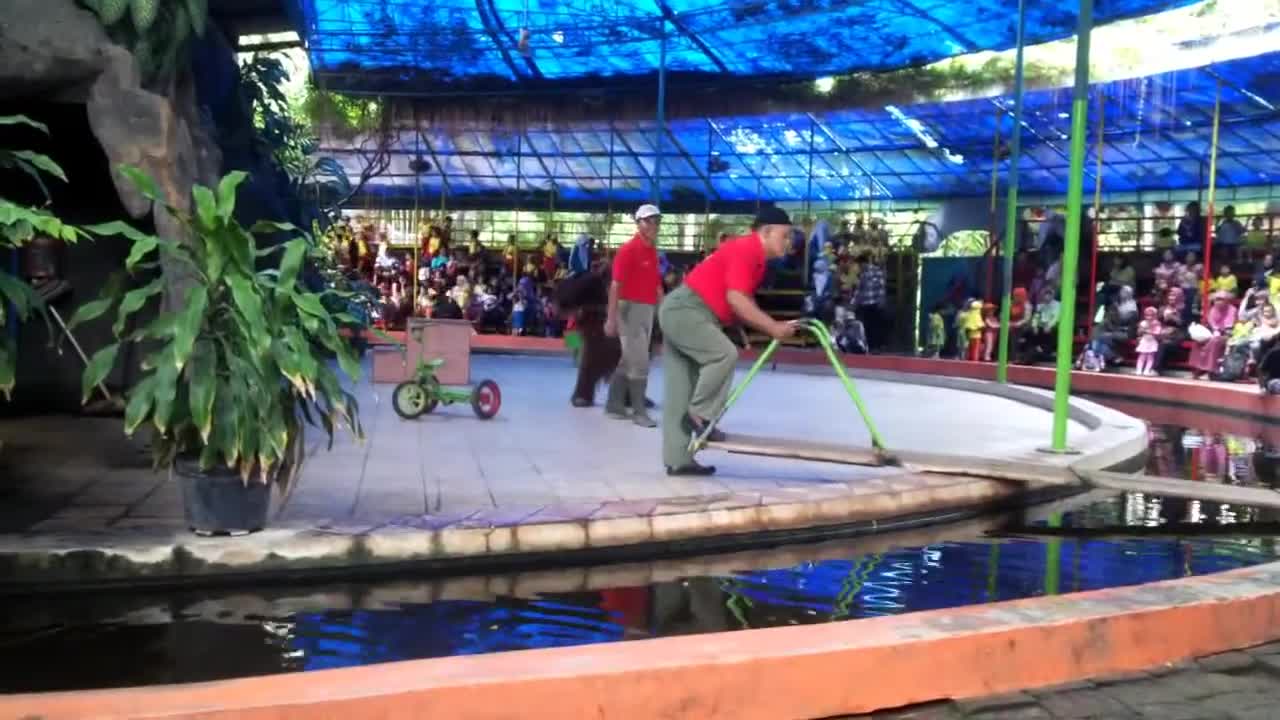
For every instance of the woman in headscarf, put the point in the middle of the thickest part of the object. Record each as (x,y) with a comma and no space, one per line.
(1220,320)
(1173,324)
(1117,326)
(585,295)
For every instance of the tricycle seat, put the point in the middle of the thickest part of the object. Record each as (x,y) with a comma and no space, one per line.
(433,363)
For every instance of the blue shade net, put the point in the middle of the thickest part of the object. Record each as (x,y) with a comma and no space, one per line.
(1157,135)
(471,43)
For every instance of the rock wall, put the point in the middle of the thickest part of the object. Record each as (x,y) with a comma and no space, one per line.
(54,50)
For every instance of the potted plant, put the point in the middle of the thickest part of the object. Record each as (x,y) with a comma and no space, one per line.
(231,375)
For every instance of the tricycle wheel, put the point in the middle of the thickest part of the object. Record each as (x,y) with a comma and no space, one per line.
(410,400)
(486,399)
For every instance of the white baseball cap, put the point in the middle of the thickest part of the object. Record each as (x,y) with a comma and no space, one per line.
(647,211)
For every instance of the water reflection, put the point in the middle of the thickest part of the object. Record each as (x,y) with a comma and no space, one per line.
(69,655)
(1084,544)
(1202,456)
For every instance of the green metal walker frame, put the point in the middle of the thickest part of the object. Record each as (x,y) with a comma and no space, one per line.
(823,336)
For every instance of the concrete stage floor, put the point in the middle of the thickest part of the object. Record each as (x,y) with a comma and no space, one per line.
(540,477)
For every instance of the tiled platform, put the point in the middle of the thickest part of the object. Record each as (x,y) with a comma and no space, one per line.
(1236,685)
(541,477)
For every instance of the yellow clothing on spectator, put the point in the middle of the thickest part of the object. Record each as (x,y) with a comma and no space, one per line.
(1224,283)
(1273,284)
(971,322)
(1255,239)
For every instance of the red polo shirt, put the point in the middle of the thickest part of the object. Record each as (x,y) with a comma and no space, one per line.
(635,269)
(738,264)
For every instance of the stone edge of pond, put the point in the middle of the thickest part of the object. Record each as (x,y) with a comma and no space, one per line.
(53,561)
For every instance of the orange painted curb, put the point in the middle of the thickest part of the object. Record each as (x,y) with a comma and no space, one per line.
(793,672)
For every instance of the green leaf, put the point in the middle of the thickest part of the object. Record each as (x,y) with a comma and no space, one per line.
(348,361)
(23,120)
(270,226)
(141,399)
(19,293)
(99,367)
(161,328)
(133,302)
(144,14)
(33,173)
(226,433)
(8,365)
(239,246)
(310,304)
(202,379)
(295,251)
(247,302)
(227,192)
(111,11)
(143,182)
(42,162)
(143,243)
(90,311)
(96,308)
(189,323)
(166,392)
(198,11)
(206,206)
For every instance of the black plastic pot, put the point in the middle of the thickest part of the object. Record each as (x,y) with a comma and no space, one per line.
(218,502)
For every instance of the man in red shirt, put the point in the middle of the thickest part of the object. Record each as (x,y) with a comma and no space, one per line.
(634,295)
(698,358)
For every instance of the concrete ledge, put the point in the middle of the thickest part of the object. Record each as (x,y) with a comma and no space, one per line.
(504,537)
(49,562)
(791,672)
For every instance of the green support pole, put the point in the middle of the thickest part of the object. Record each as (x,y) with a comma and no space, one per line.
(1071,244)
(1053,553)
(1011,203)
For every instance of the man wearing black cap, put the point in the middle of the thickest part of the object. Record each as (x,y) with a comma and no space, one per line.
(698,358)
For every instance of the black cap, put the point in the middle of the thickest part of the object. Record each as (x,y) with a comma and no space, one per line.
(771,216)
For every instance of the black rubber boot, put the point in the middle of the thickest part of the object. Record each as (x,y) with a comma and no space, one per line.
(694,430)
(616,404)
(639,415)
(693,469)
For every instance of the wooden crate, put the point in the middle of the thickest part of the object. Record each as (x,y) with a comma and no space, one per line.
(449,340)
(388,364)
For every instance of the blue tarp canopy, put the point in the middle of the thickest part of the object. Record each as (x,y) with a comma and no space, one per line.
(419,46)
(1157,134)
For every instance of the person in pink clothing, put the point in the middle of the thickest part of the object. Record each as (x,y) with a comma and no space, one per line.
(1148,342)
(1220,319)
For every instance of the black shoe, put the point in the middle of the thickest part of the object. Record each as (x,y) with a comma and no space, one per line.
(696,430)
(581,402)
(649,404)
(692,469)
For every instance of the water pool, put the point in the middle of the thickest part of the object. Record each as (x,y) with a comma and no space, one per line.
(90,640)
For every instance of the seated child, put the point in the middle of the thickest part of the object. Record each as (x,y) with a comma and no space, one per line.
(1226,281)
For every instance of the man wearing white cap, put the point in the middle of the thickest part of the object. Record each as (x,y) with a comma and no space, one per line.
(634,295)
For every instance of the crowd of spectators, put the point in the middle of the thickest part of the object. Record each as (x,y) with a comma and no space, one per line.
(1154,311)
(508,290)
